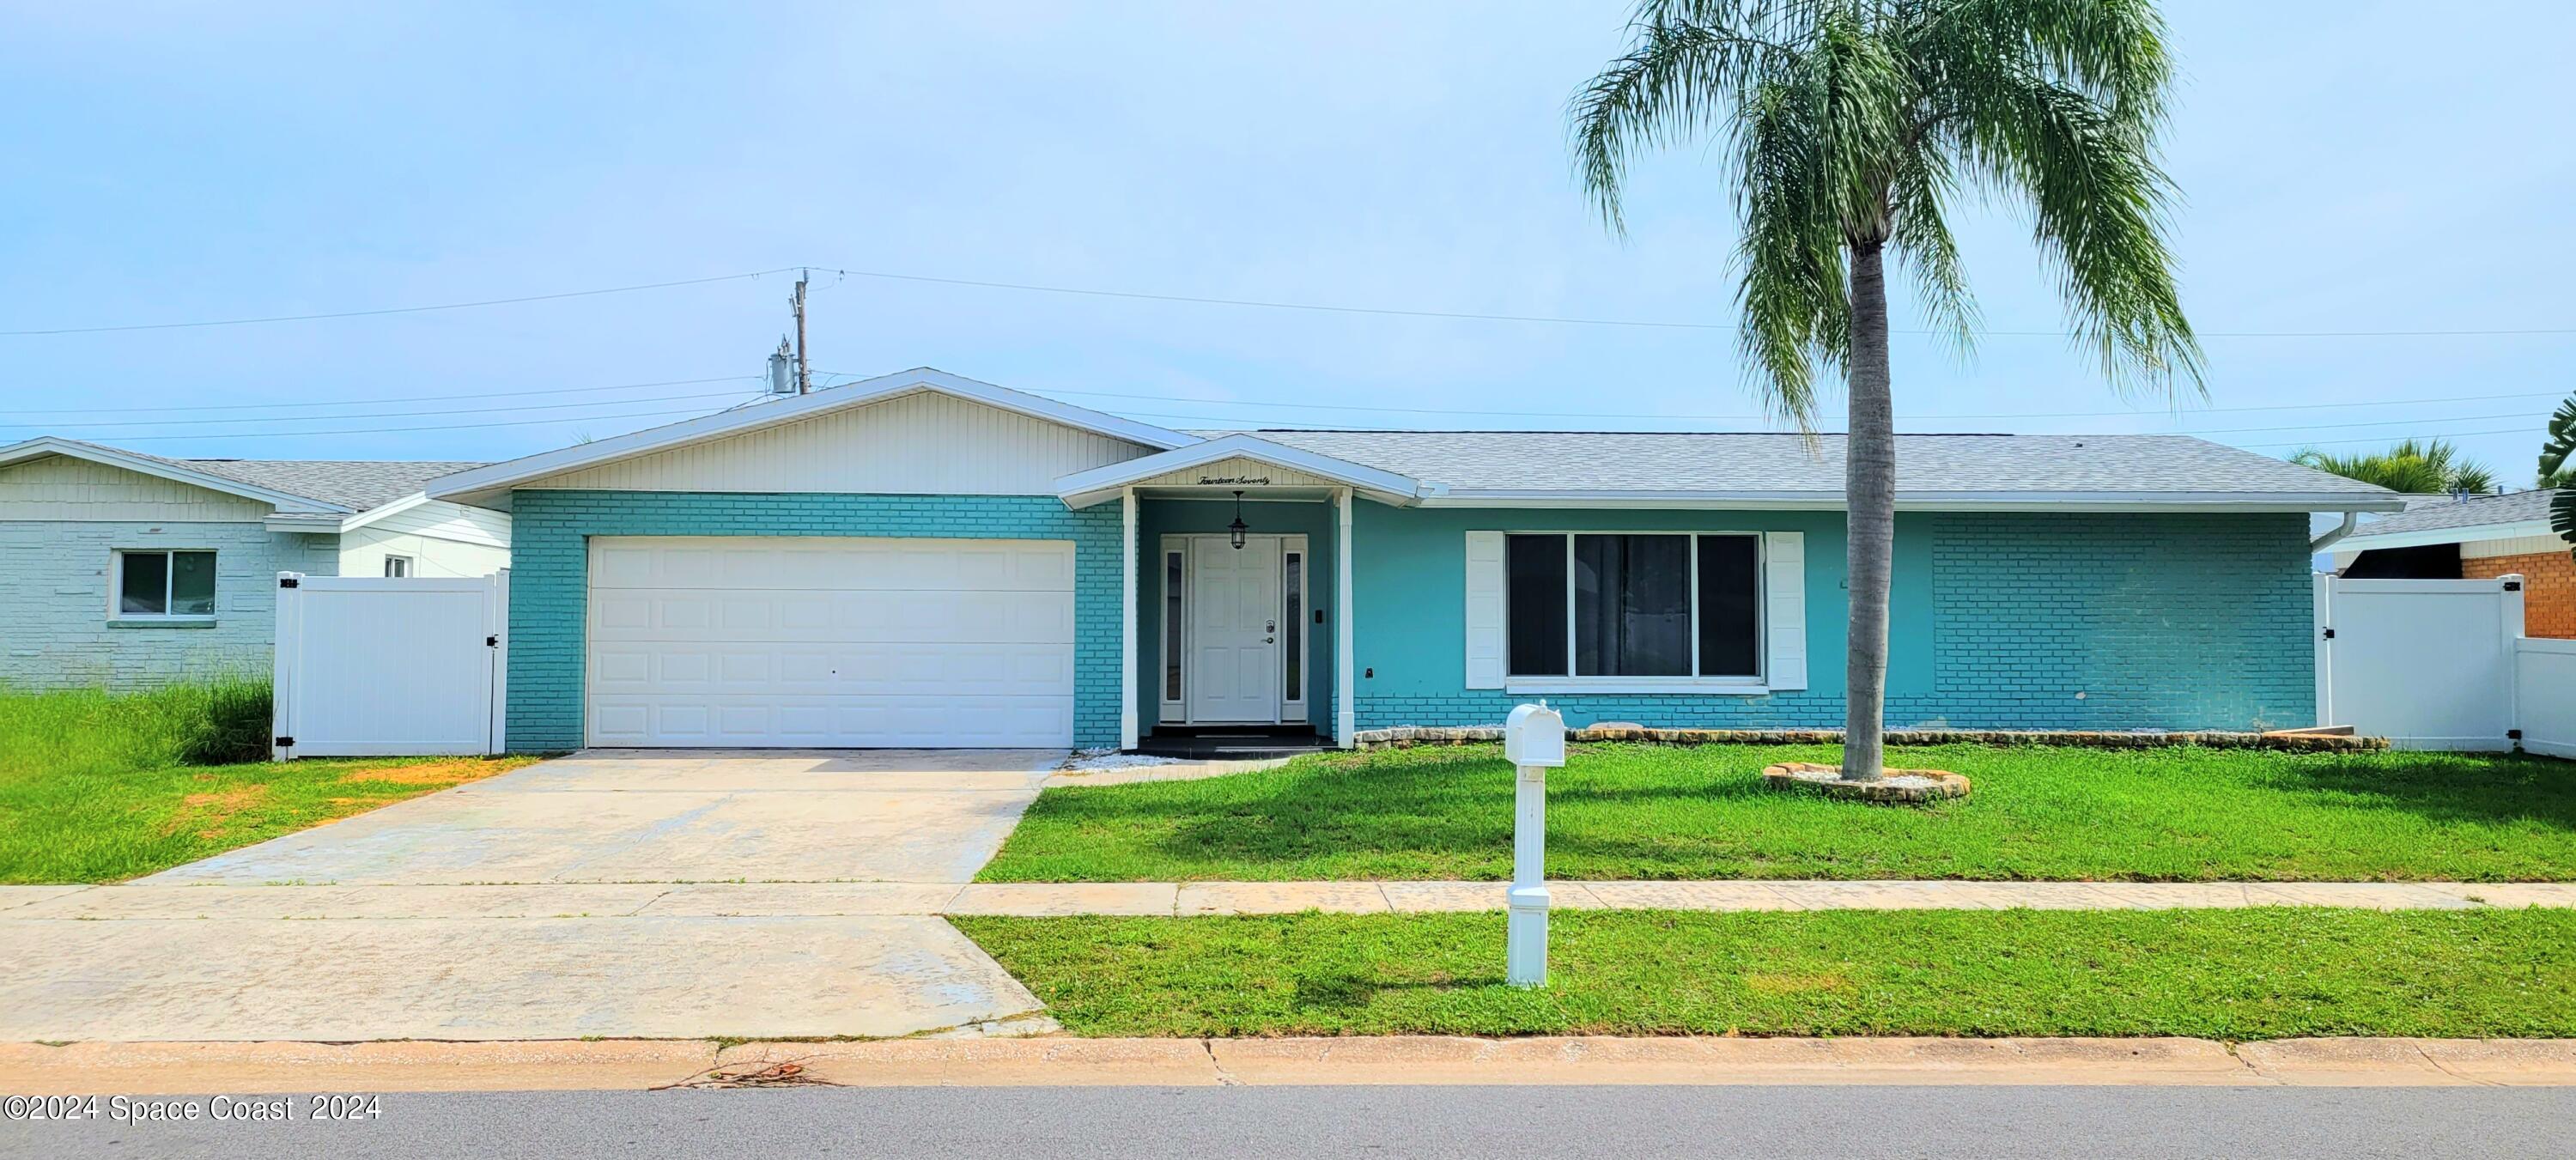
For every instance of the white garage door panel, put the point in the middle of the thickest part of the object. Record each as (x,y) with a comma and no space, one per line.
(890,616)
(831,642)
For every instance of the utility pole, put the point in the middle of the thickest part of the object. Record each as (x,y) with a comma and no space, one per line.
(804,373)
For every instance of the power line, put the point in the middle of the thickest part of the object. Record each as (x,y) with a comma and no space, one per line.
(403,399)
(385,414)
(1702,418)
(444,427)
(1569,320)
(390,309)
(2379,439)
(1210,300)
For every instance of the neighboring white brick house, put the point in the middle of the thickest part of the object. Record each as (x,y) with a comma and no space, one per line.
(120,569)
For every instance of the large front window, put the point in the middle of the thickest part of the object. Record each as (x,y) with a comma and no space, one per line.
(1669,605)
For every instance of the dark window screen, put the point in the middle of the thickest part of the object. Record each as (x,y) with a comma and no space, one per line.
(1729,606)
(147,584)
(1535,568)
(1632,606)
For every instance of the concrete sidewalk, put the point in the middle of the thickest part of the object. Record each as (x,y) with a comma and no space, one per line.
(183,1068)
(652,900)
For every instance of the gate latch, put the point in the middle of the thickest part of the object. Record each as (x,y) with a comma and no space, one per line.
(2329,634)
(493,641)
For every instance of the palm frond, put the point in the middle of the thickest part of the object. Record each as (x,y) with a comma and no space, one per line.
(1681,80)
(2098,203)
(1923,244)
(2414,466)
(2559,448)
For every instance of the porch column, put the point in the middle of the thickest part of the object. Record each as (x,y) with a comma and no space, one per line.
(1127,619)
(1345,688)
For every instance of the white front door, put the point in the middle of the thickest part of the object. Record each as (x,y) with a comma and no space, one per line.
(1234,630)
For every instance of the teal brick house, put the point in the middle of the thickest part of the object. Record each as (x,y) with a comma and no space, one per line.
(926,560)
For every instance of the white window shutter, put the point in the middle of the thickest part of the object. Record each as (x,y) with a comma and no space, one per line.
(1484,610)
(1784,606)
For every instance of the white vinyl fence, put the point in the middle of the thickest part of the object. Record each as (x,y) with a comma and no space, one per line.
(385,667)
(2545,693)
(2442,664)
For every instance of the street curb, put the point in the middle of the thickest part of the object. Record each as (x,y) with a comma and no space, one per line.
(557,1065)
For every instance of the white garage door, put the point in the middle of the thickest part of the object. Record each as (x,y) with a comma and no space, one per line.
(830,642)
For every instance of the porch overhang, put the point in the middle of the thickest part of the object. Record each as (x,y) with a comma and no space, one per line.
(1236,462)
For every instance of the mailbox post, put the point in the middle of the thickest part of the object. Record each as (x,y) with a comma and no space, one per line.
(1534,742)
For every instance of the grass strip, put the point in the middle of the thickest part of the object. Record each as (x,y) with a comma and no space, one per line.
(2042,813)
(2230,975)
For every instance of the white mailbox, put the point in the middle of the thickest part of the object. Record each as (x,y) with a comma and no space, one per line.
(1534,736)
(1534,742)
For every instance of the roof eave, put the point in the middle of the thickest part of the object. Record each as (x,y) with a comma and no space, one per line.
(1101,484)
(2428,537)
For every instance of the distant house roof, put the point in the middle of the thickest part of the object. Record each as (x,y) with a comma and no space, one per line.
(355,484)
(1930,469)
(2443,519)
(299,487)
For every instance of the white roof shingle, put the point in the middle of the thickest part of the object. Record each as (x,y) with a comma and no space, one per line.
(1788,466)
(355,484)
(2429,519)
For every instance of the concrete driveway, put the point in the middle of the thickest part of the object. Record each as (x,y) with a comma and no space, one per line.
(603,815)
(557,901)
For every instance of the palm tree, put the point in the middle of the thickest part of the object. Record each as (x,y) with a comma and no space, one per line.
(2558,450)
(2425,467)
(1850,125)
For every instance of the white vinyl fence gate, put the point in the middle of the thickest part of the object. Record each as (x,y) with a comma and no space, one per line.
(390,667)
(2442,664)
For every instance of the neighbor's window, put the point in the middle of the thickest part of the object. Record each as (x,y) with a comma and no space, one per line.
(165,583)
(1618,605)
(397,567)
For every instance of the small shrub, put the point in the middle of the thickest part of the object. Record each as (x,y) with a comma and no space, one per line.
(228,724)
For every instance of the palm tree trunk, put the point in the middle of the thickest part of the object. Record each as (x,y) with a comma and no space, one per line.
(1869,484)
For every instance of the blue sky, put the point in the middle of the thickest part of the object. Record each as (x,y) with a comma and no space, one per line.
(2344,167)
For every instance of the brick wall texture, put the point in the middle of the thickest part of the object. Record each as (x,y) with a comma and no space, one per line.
(2040,621)
(2548,589)
(549,578)
(54,626)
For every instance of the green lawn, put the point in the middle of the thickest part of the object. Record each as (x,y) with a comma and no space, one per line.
(99,788)
(2223,974)
(1658,812)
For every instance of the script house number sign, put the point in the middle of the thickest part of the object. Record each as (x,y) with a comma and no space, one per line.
(1235,480)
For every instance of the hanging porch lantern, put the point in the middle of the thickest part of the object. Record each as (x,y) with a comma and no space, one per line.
(1238,527)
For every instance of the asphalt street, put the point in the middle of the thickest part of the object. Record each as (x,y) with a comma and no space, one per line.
(1844,1123)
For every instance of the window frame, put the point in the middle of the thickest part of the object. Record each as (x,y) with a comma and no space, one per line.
(1754,684)
(410,566)
(169,578)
